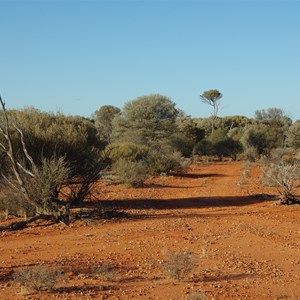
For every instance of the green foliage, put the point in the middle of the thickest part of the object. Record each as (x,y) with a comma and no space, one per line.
(226,123)
(212,97)
(274,116)
(128,151)
(218,143)
(189,128)
(64,152)
(186,136)
(133,173)
(147,132)
(227,147)
(204,147)
(42,188)
(274,124)
(217,136)
(145,120)
(256,137)
(182,144)
(260,139)
(162,159)
(236,133)
(205,124)
(103,118)
(231,122)
(47,182)
(46,134)
(293,135)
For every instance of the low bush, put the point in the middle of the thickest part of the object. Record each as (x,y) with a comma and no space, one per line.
(197,296)
(127,151)
(105,270)
(133,173)
(41,278)
(285,176)
(163,159)
(14,204)
(179,265)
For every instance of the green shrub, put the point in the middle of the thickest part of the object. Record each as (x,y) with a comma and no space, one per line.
(145,119)
(133,173)
(163,159)
(182,144)
(204,147)
(46,134)
(228,147)
(128,151)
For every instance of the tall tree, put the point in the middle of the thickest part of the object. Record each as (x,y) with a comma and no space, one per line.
(103,121)
(145,120)
(212,98)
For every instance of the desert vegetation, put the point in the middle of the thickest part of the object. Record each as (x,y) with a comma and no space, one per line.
(59,170)
(50,162)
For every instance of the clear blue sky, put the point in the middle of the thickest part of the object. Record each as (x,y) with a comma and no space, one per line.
(75,56)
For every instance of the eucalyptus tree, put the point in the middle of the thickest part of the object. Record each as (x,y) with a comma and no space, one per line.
(212,98)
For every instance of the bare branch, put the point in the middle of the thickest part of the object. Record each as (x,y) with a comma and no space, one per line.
(3,147)
(11,154)
(25,170)
(10,183)
(25,149)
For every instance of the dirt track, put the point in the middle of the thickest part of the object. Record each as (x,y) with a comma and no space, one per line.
(246,248)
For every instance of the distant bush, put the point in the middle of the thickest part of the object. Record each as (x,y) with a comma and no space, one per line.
(132,163)
(260,139)
(293,135)
(228,147)
(128,151)
(133,173)
(218,143)
(162,158)
(203,147)
(144,120)
(103,118)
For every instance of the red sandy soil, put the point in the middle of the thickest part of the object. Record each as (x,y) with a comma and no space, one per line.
(245,246)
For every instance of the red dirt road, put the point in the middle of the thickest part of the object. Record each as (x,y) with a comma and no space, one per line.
(245,247)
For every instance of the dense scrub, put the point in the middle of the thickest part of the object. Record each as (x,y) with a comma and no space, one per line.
(149,136)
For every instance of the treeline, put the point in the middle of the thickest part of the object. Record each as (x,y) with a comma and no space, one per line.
(148,136)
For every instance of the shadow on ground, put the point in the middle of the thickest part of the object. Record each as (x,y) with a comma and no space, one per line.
(185,203)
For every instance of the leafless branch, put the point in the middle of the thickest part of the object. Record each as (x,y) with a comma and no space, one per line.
(24,148)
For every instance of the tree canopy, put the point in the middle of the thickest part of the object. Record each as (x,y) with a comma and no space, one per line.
(145,119)
(103,121)
(212,97)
